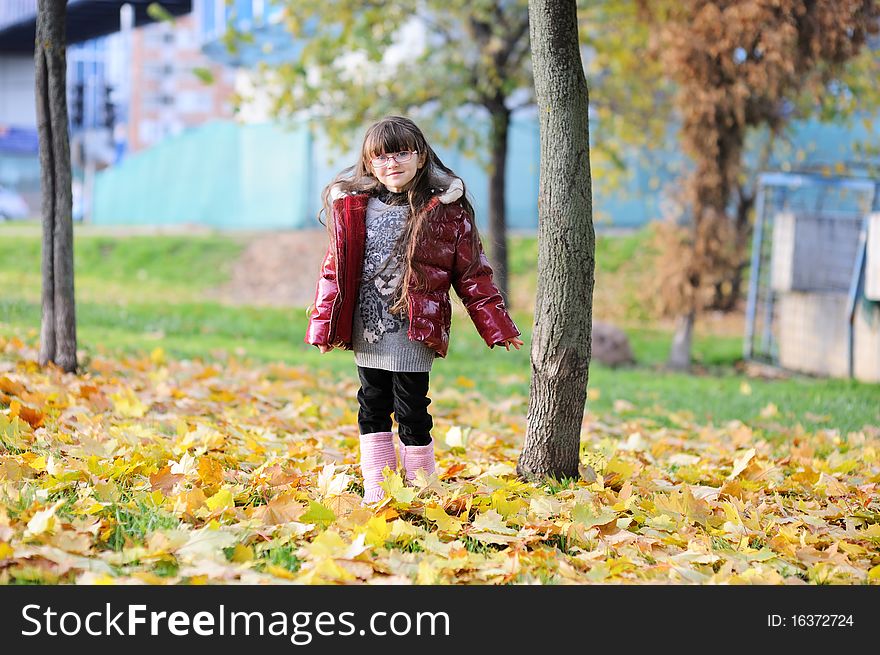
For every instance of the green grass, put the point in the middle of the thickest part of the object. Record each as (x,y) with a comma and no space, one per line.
(651,347)
(283,556)
(613,253)
(161,268)
(135,294)
(134,522)
(621,264)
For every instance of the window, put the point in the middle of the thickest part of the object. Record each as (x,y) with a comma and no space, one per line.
(157,101)
(194,102)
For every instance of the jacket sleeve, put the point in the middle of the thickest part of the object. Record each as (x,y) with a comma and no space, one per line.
(479,294)
(318,330)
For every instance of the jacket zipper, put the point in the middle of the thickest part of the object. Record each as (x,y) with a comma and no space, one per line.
(337,302)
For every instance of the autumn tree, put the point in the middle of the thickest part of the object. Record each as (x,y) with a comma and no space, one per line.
(58,327)
(631,97)
(738,65)
(475,56)
(560,351)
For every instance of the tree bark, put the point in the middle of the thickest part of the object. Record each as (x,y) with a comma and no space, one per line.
(500,116)
(58,325)
(561,340)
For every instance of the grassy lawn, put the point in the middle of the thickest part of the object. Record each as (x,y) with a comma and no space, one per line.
(136,294)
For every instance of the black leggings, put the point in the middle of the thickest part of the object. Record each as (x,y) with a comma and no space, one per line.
(405,394)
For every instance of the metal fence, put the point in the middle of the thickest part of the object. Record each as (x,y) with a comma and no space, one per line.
(808,242)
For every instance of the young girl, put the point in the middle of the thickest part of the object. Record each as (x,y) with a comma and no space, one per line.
(401,232)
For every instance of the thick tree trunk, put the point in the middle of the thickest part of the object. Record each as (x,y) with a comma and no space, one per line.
(497,211)
(560,351)
(727,295)
(680,352)
(58,327)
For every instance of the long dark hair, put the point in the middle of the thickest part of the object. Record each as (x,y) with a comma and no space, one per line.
(389,135)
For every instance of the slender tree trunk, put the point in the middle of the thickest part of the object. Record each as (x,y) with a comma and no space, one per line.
(58,327)
(680,352)
(497,210)
(561,341)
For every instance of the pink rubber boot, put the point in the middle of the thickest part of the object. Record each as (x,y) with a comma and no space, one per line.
(413,458)
(377,452)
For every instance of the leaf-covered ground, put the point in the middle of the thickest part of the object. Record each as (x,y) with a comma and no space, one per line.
(160,471)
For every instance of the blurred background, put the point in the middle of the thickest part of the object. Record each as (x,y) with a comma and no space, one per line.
(149,99)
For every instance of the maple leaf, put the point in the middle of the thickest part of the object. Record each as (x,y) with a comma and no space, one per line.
(740,463)
(318,513)
(457,437)
(331,483)
(831,485)
(165,481)
(14,432)
(427,573)
(444,522)
(62,561)
(6,551)
(344,505)
(452,471)
(30,415)
(186,466)
(492,521)
(377,531)
(242,554)
(43,520)
(278,476)
(210,471)
(284,508)
(490,527)
(588,517)
(71,541)
(544,506)
(189,502)
(11,386)
(331,544)
(207,542)
(220,501)
(395,487)
(405,532)
(504,506)
(128,405)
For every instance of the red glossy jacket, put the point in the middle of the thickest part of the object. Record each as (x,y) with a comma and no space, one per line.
(443,255)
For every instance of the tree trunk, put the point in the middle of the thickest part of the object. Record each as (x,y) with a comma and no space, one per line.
(680,352)
(58,327)
(561,341)
(497,212)
(726,296)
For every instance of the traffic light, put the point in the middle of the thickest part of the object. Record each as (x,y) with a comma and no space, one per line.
(77,106)
(109,108)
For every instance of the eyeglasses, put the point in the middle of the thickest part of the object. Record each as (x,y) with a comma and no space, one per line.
(399,157)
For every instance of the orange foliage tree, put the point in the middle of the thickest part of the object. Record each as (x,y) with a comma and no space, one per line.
(737,64)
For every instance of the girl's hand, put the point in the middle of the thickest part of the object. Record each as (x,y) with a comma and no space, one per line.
(513,341)
(325,349)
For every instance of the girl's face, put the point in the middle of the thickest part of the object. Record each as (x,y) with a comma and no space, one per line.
(396,170)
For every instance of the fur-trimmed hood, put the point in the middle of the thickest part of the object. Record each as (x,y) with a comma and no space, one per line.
(450,193)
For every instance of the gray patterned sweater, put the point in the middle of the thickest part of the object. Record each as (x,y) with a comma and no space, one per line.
(379,338)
